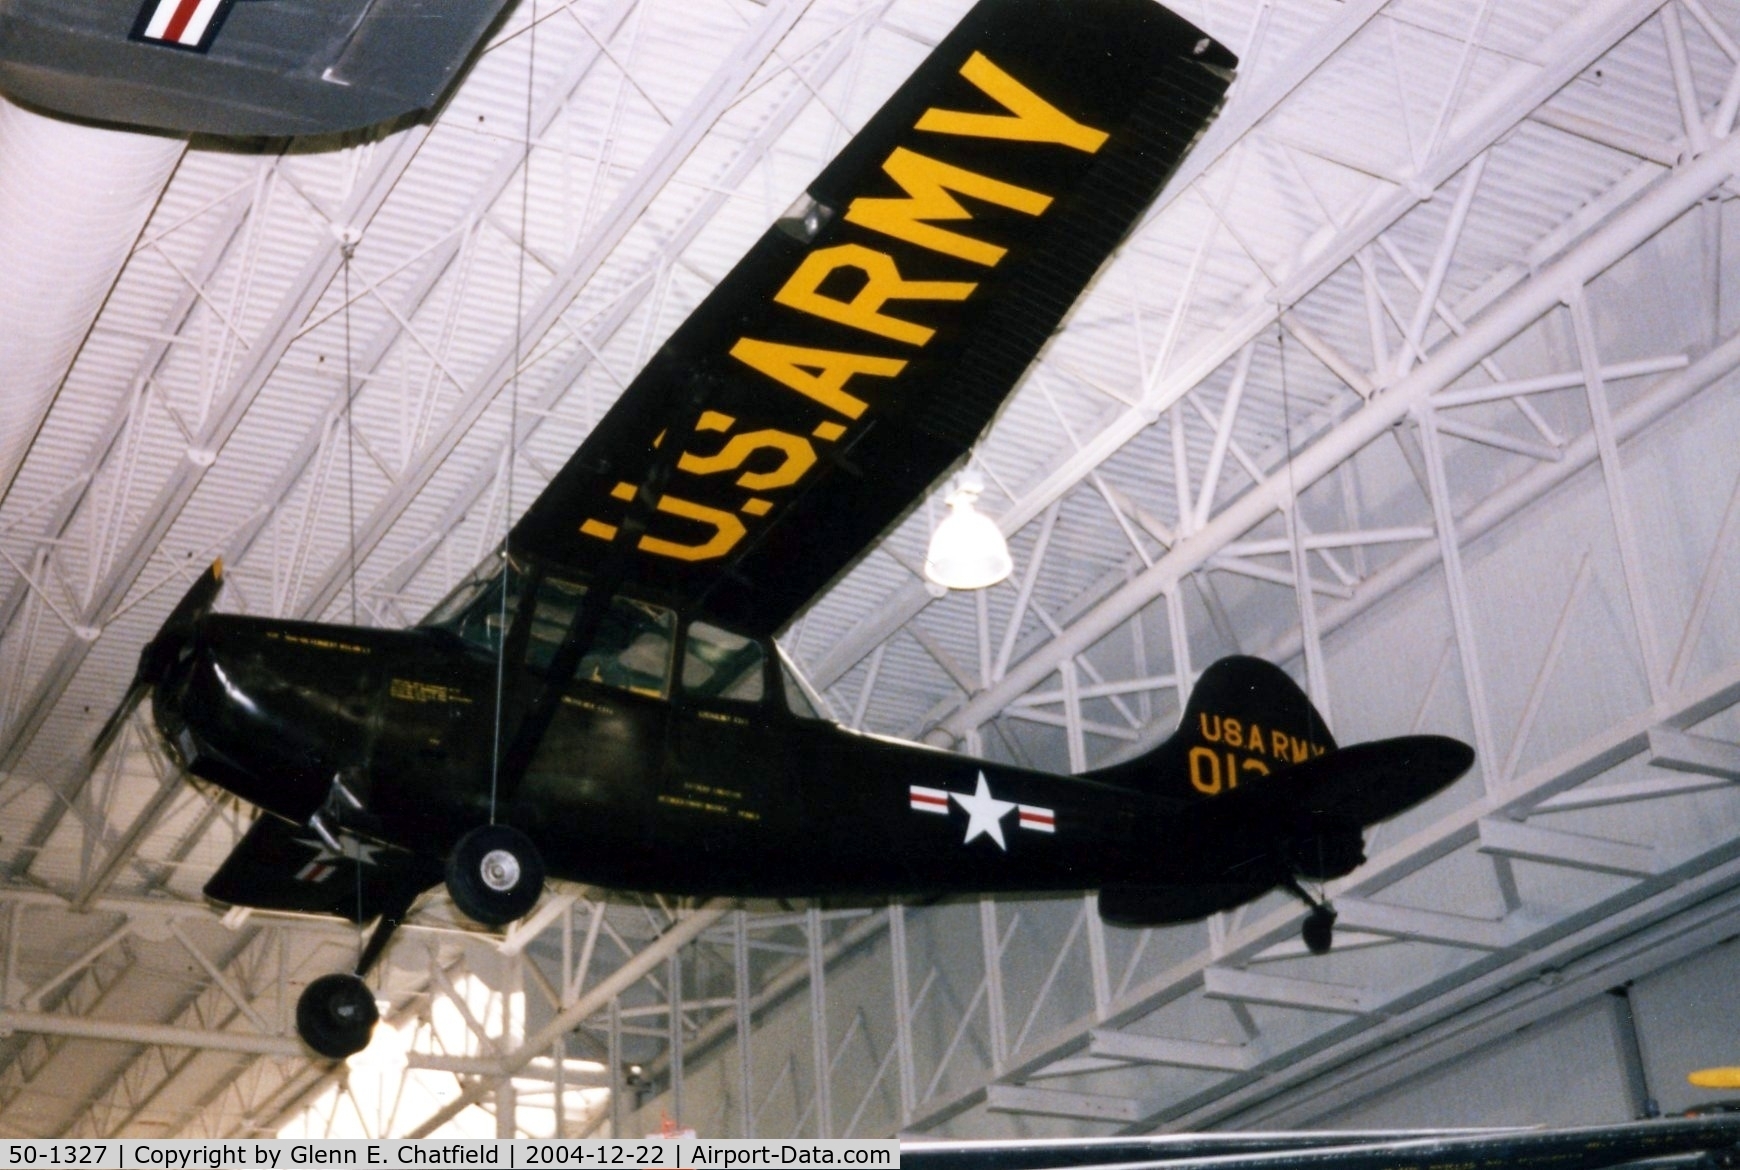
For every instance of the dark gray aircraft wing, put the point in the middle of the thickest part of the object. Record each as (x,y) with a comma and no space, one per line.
(238,67)
(864,343)
(1708,1140)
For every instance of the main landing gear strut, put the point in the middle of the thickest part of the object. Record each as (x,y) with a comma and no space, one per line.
(494,876)
(1319,928)
(336,1014)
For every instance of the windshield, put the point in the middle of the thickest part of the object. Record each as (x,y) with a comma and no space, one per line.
(631,650)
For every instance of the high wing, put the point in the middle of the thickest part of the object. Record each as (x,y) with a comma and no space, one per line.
(237,67)
(869,337)
(1585,1148)
(281,866)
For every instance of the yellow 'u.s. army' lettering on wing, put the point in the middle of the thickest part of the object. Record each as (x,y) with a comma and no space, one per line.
(1030,118)
(818,374)
(930,186)
(798,455)
(885,304)
(882,283)
(723,530)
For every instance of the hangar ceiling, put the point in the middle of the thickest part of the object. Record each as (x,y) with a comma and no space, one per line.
(1418,380)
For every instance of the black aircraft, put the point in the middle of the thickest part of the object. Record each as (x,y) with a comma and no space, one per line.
(603,701)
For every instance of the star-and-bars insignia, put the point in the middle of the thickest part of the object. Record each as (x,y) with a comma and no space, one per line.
(985,812)
(324,863)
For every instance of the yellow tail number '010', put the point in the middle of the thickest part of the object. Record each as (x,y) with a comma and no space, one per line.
(1207,775)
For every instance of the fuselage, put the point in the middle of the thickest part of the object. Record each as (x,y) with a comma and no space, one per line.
(647,777)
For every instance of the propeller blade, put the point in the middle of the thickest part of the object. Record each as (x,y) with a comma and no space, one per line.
(197,601)
(1716,1078)
(118,719)
(159,653)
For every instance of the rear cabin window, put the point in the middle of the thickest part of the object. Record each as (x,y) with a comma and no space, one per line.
(797,700)
(718,664)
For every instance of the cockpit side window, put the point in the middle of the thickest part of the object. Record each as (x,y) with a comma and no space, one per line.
(718,664)
(631,650)
(452,609)
(474,611)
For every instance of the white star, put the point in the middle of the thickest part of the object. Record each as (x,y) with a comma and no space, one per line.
(985,813)
(361,852)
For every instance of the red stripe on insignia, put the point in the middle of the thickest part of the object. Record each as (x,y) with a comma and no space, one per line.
(314,871)
(184,12)
(929,799)
(1041,819)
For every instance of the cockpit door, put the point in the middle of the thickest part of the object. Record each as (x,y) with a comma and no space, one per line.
(724,788)
(590,782)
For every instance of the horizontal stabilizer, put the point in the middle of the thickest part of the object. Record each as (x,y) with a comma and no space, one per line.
(1371,782)
(283,866)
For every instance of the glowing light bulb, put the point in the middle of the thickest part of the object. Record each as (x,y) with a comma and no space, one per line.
(967,550)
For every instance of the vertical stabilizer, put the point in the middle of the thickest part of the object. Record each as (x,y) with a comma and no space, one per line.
(1246,720)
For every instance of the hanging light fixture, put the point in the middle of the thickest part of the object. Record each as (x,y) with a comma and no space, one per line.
(967,550)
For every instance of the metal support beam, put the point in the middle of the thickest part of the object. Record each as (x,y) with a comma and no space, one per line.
(263,355)
(1550,847)
(1404,922)
(1055,1103)
(1115,1045)
(715,96)
(683,932)
(1683,752)
(1280,991)
(1581,40)
(120,1032)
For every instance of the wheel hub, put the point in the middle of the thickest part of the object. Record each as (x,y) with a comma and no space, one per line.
(500,870)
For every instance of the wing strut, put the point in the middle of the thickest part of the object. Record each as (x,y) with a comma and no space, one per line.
(613,570)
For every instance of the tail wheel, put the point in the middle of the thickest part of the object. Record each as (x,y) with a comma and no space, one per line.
(336,1016)
(495,875)
(1319,929)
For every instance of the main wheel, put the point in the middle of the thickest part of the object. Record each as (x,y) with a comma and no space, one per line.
(336,1016)
(1319,930)
(495,875)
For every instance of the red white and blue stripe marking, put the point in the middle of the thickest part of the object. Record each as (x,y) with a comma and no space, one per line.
(181,24)
(935,800)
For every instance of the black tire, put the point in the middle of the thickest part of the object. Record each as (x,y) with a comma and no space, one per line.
(336,1016)
(495,875)
(1319,930)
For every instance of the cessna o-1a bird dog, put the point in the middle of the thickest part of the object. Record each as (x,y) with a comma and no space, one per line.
(649,738)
